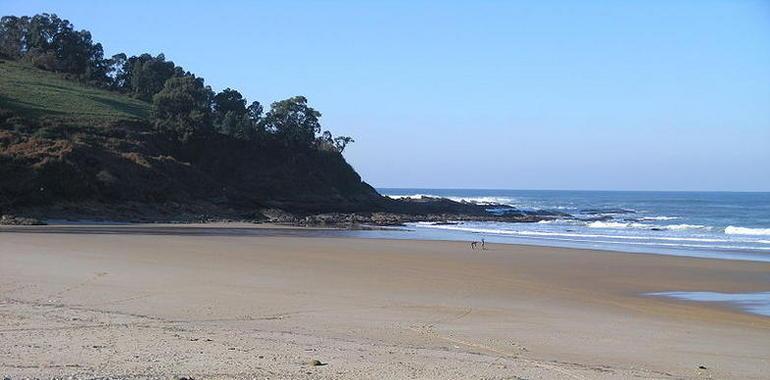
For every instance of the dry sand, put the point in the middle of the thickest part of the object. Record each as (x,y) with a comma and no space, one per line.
(166,303)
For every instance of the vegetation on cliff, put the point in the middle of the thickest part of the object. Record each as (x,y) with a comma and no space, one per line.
(79,132)
(140,138)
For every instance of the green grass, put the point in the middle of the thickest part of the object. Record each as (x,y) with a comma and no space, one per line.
(36,93)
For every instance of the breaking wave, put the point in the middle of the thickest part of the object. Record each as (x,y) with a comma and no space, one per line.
(733,230)
(665,241)
(483,200)
(600,224)
(678,227)
(658,218)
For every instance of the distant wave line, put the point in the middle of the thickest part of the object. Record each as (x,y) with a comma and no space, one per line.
(734,230)
(579,235)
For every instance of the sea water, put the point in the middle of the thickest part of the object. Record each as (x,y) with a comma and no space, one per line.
(756,303)
(724,225)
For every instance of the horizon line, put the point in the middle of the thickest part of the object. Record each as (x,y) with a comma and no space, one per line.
(584,190)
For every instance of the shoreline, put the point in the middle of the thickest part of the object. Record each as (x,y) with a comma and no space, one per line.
(145,304)
(388,233)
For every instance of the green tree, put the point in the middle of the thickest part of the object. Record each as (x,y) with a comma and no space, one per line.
(12,31)
(116,71)
(229,100)
(236,124)
(293,122)
(183,107)
(53,44)
(144,75)
(233,118)
(254,111)
(340,142)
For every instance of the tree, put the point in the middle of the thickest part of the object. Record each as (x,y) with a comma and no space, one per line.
(293,121)
(145,75)
(183,107)
(233,118)
(340,142)
(236,124)
(254,111)
(12,31)
(337,144)
(53,44)
(229,100)
(42,30)
(116,71)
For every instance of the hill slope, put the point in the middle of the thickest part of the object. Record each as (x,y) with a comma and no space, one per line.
(70,150)
(35,93)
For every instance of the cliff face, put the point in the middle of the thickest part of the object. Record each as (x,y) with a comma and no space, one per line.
(73,150)
(127,166)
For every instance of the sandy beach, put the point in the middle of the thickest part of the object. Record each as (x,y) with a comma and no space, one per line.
(158,302)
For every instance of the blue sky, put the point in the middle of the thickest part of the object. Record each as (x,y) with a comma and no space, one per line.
(613,95)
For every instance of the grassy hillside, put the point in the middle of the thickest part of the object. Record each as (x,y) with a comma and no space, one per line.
(36,93)
(70,150)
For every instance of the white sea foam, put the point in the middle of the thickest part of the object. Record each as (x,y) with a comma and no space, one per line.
(687,243)
(758,303)
(656,218)
(600,224)
(483,201)
(679,227)
(673,227)
(733,230)
(547,234)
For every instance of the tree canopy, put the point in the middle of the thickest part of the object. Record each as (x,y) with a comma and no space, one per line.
(182,104)
(293,121)
(52,43)
(183,107)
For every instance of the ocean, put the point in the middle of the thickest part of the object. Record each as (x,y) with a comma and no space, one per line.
(726,225)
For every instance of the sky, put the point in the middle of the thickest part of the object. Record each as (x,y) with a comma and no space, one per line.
(588,95)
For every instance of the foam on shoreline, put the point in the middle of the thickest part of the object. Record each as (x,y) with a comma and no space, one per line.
(756,303)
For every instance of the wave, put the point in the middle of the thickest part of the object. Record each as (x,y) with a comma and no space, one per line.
(733,230)
(485,201)
(678,227)
(658,218)
(607,211)
(482,200)
(465,228)
(674,242)
(653,227)
(600,224)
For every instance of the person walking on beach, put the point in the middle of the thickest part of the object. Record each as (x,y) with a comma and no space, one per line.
(483,247)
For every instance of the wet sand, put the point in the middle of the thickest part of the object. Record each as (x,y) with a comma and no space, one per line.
(164,301)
